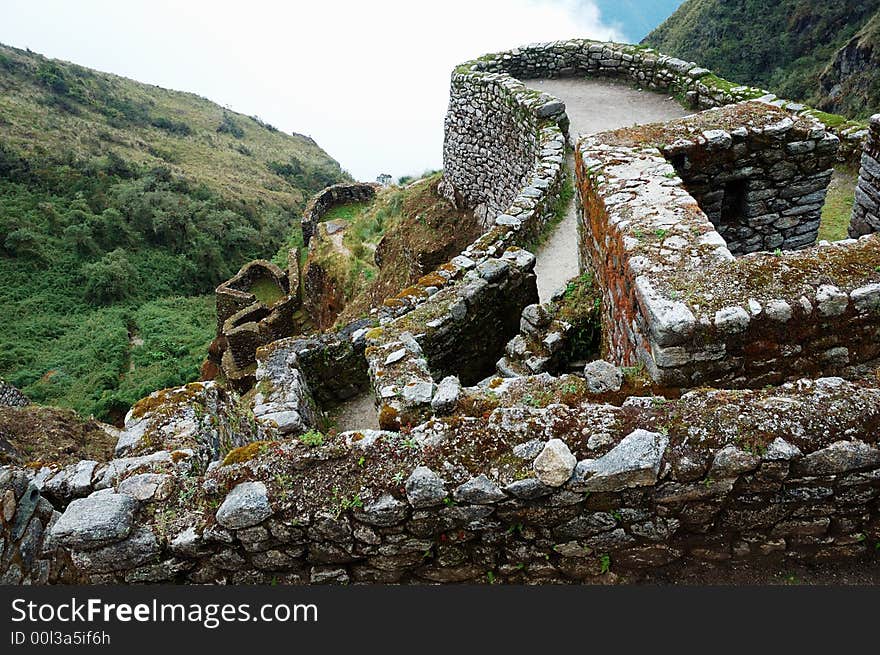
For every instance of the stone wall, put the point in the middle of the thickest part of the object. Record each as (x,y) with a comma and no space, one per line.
(762,183)
(866,208)
(455,337)
(529,480)
(678,303)
(523,495)
(330,197)
(11,397)
(647,68)
(492,142)
(245,322)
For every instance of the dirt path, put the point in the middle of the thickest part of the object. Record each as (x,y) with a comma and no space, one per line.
(358,413)
(592,106)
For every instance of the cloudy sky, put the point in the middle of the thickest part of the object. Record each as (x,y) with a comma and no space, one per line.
(367,80)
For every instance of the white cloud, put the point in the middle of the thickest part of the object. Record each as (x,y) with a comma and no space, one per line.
(367,80)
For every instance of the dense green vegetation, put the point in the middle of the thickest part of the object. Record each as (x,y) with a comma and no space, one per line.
(780,45)
(837,211)
(121,207)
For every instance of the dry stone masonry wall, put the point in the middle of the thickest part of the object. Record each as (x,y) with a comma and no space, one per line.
(535,479)
(762,186)
(11,397)
(330,197)
(676,300)
(866,208)
(647,68)
(246,322)
(554,494)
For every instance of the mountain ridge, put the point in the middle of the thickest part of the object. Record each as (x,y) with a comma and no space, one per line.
(786,46)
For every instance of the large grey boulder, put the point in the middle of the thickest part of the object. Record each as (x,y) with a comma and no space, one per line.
(95,521)
(634,462)
(245,506)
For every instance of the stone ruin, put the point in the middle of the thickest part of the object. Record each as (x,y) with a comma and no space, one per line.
(734,415)
(246,322)
(11,397)
(333,196)
(866,208)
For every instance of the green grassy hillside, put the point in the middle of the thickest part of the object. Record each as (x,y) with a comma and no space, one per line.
(122,205)
(781,45)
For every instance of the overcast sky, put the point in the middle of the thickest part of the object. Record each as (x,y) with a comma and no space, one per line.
(367,80)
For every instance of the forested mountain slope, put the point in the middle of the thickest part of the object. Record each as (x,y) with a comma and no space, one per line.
(819,52)
(122,205)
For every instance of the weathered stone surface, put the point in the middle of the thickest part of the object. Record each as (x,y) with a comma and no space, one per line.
(780,449)
(418,393)
(602,376)
(732,320)
(555,464)
(634,462)
(528,489)
(446,397)
(840,457)
(385,511)
(731,461)
(424,488)
(480,490)
(143,486)
(138,548)
(95,521)
(246,505)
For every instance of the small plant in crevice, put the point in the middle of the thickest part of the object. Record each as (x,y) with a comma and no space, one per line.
(312,438)
(343,503)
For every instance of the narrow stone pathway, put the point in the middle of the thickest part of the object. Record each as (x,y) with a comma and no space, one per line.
(592,106)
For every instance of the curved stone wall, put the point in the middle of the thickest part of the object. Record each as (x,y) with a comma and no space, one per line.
(330,197)
(645,67)
(493,140)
